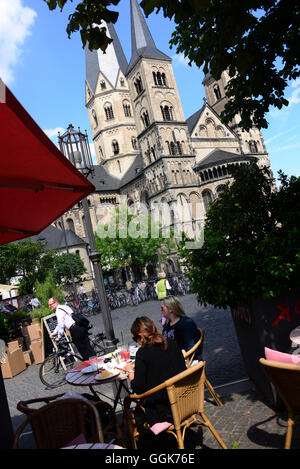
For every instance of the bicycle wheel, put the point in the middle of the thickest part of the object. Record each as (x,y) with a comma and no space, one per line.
(51,372)
(98,346)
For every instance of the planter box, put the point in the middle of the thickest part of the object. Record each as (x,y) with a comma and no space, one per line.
(28,357)
(37,350)
(270,325)
(33,331)
(16,344)
(14,363)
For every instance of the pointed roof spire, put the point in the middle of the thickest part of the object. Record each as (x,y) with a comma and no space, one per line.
(109,64)
(142,43)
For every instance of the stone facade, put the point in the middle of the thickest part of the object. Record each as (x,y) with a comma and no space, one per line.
(145,148)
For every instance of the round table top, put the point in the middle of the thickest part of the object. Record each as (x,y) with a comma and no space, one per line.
(77,378)
(295,335)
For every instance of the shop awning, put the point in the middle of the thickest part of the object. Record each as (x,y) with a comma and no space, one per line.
(8,288)
(37,182)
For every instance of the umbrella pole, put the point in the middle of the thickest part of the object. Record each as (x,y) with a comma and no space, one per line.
(6,428)
(69,260)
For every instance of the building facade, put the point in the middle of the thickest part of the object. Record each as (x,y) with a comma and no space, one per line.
(145,148)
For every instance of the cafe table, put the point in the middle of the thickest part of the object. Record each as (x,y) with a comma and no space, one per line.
(77,377)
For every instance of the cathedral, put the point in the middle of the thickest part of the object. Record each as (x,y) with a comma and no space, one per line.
(147,152)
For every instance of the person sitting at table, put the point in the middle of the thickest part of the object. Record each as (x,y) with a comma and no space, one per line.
(178,326)
(156,360)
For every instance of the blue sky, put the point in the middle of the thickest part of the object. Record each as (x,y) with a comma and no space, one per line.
(46,72)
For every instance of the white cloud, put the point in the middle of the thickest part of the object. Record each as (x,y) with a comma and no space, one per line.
(180,59)
(53,133)
(93,152)
(15,23)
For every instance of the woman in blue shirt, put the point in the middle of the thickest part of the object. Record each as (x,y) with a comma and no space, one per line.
(178,326)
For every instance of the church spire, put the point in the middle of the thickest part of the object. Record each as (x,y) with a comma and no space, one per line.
(109,63)
(142,43)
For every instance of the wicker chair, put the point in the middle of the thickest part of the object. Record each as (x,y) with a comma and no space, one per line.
(186,396)
(57,423)
(285,378)
(189,357)
(110,430)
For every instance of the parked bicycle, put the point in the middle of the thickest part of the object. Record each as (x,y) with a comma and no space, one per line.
(54,368)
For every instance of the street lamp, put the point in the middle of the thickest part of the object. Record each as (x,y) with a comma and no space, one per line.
(75,146)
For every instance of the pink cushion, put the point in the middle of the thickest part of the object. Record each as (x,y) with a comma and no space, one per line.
(160,427)
(80,439)
(276,356)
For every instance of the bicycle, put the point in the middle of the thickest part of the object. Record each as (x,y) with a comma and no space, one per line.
(54,368)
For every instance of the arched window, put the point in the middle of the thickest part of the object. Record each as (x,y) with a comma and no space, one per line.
(102,84)
(207,199)
(115,146)
(253,146)
(109,113)
(134,143)
(138,85)
(167,113)
(145,119)
(122,82)
(100,150)
(172,148)
(95,117)
(127,109)
(217,92)
(70,224)
(119,165)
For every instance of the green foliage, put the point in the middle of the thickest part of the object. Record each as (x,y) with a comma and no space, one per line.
(257,42)
(127,241)
(61,268)
(47,289)
(251,241)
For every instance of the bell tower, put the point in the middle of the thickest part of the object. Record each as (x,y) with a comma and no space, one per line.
(161,127)
(110,107)
(251,142)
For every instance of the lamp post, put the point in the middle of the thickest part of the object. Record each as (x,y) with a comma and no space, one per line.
(75,146)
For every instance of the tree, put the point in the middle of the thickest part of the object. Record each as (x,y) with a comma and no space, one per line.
(61,269)
(256,41)
(131,240)
(251,241)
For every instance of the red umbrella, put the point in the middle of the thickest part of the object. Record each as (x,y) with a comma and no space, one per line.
(37,182)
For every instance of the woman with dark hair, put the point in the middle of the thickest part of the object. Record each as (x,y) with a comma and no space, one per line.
(155,361)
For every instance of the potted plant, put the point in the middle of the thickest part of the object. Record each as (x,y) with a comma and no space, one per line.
(44,291)
(250,261)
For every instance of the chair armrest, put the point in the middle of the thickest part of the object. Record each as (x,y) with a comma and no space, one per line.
(22,406)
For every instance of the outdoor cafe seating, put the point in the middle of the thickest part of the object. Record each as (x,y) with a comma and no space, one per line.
(62,422)
(110,427)
(285,378)
(186,397)
(189,358)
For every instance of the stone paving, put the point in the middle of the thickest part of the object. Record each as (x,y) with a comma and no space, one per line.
(245,421)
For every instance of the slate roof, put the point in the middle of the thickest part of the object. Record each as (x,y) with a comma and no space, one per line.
(218,156)
(111,62)
(55,238)
(103,180)
(142,43)
(193,119)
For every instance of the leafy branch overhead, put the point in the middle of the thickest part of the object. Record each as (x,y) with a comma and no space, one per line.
(257,42)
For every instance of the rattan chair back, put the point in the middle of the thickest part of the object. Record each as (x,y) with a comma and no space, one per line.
(197,348)
(56,424)
(285,377)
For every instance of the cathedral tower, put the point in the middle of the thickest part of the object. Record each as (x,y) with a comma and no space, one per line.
(161,127)
(110,107)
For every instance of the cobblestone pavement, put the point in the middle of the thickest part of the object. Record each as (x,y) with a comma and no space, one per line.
(245,421)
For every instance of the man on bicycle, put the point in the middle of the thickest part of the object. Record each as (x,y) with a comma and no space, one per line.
(78,333)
